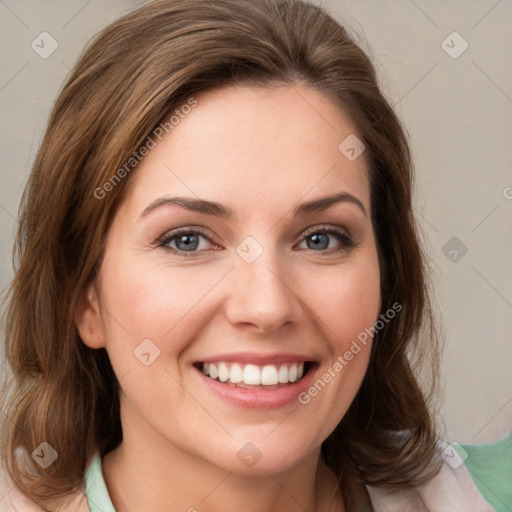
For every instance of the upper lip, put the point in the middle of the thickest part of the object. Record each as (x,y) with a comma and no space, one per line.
(258,358)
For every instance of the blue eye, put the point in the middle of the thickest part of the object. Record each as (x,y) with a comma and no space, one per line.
(190,242)
(319,239)
(187,242)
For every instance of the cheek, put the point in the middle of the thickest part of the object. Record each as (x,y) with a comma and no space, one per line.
(347,302)
(154,302)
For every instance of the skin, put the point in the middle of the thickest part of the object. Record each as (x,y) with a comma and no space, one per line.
(260,152)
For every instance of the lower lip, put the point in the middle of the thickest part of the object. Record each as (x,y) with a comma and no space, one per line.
(258,398)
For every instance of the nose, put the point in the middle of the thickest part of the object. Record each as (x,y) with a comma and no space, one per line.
(262,295)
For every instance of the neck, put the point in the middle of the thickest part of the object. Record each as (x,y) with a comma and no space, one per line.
(144,475)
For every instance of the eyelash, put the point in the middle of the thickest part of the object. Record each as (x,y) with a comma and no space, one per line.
(346,241)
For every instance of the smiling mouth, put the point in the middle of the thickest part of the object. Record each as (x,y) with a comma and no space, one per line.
(253,376)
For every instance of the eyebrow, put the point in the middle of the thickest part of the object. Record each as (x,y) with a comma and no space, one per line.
(219,210)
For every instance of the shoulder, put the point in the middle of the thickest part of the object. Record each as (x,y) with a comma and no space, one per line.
(472,478)
(13,500)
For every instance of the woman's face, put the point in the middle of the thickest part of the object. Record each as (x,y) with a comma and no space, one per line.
(210,313)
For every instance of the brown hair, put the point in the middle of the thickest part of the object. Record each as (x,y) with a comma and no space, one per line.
(130,76)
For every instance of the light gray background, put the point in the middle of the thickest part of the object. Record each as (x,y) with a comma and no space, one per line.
(458,112)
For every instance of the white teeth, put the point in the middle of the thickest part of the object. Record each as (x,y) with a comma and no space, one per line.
(254,375)
(269,375)
(214,371)
(292,373)
(283,374)
(223,372)
(236,375)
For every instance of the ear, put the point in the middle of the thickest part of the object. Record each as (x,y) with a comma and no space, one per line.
(88,319)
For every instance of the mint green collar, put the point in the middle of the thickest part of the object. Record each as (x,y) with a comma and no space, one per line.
(96,491)
(490,466)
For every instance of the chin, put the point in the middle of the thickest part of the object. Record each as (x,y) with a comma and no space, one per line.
(260,456)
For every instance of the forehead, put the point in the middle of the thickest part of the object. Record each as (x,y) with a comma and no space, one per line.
(253,148)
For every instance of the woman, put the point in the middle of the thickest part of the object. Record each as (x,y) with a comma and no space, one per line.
(220,301)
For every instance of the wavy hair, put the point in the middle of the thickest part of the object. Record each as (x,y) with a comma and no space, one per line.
(133,73)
